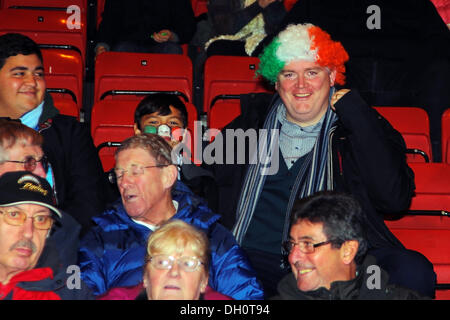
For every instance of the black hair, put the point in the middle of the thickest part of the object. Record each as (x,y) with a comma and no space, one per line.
(340,214)
(12,44)
(160,103)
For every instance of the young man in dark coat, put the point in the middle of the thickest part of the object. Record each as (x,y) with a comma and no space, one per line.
(75,171)
(316,140)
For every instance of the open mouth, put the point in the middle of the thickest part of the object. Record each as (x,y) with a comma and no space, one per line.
(304,271)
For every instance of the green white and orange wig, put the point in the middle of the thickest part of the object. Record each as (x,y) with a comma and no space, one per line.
(302,42)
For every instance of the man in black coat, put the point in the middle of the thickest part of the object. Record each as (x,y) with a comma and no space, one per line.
(315,139)
(75,171)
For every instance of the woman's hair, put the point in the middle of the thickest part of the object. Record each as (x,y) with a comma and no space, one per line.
(15,133)
(302,42)
(175,236)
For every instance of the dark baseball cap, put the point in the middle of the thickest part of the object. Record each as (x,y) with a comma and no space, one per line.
(23,187)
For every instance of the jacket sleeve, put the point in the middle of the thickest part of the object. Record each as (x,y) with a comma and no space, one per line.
(379,153)
(90,261)
(230,271)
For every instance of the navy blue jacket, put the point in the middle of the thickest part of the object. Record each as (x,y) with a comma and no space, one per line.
(112,254)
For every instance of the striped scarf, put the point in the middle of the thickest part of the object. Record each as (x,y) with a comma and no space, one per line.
(315,174)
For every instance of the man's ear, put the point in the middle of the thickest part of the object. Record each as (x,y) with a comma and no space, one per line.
(136,130)
(169,176)
(332,76)
(348,251)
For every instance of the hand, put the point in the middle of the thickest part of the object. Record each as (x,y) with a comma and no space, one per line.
(265,3)
(162,36)
(99,50)
(337,96)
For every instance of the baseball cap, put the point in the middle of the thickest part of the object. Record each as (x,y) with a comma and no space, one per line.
(23,187)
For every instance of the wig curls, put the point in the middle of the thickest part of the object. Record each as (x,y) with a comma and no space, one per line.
(302,42)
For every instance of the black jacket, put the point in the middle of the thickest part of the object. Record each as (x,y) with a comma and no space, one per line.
(79,179)
(355,289)
(369,163)
(137,20)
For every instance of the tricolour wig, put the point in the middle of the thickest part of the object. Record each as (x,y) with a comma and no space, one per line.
(302,42)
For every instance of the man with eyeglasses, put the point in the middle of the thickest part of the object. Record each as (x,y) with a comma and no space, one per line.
(75,171)
(27,215)
(112,254)
(327,250)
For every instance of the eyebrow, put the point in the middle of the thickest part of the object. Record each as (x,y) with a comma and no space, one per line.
(22,68)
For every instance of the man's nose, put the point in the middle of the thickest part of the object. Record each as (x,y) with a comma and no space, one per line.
(301,81)
(28,228)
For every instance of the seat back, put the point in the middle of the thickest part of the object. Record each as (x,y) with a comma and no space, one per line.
(66,106)
(223,112)
(125,71)
(446,136)
(64,75)
(427,230)
(48,28)
(231,75)
(413,124)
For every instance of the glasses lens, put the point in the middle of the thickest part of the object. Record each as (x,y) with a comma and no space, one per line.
(42,222)
(188,264)
(14,218)
(29,164)
(161,262)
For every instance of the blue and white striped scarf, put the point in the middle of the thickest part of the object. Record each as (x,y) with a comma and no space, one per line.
(315,174)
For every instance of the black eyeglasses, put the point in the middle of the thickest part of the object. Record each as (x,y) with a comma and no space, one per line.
(30,163)
(304,245)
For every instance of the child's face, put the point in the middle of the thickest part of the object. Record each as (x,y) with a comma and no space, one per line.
(172,120)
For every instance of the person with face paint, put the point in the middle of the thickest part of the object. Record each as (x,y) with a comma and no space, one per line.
(27,216)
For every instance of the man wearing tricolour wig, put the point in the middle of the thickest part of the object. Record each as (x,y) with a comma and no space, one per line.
(328,140)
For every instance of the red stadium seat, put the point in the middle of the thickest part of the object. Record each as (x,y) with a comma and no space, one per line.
(222,113)
(414,126)
(48,28)
(428,228)
(229,75)
(446,136)
(43,4)
(64,75)
(119,73)
(199,7)
(66,106)
(111,121)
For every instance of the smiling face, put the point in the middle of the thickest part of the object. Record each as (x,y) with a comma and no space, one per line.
(175,283)
(304,87)
(317,269)
(20,246)
(22,85)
